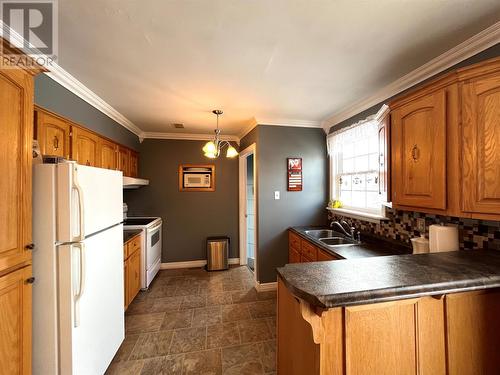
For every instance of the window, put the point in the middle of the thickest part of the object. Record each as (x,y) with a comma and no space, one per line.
(354,161)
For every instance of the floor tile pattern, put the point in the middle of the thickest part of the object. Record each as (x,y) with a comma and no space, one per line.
(197,322)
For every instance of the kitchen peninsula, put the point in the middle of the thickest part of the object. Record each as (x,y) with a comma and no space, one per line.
(403,314)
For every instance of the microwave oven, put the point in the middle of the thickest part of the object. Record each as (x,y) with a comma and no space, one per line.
(197,180)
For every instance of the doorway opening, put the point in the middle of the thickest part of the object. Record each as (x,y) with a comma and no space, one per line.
(248,208)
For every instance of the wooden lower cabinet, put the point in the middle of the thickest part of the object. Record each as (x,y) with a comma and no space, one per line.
(456,334)
(301,250)
(131,269)
(15,322)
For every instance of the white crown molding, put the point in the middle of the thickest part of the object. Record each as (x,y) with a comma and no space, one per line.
(65,79)
(472,46)
(252,124)
(279,122)
(187,136)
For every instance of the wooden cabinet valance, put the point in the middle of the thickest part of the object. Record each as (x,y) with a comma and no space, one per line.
(59,136)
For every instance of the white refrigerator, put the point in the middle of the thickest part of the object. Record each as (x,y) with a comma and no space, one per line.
(78,294)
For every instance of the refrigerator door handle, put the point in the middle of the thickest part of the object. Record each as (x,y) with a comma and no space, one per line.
(79,191)
(81,283)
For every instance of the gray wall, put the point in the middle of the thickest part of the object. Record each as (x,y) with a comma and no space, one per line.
(274,145)
(489,53)
(189,217)
(51,95)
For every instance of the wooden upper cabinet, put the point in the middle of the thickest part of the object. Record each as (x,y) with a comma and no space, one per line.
(124,160)
(419,152)
(107,151)
(53,134)
(85,145)
(15,324)
(16,133)
(384,169)
(481,144)
(134,164)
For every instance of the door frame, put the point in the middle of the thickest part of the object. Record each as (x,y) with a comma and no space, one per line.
(242,182)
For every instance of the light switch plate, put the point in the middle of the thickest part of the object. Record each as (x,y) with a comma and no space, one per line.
(276,195)
(421,225)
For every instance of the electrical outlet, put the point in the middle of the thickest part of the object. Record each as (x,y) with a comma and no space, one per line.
(421,225)
(276,195)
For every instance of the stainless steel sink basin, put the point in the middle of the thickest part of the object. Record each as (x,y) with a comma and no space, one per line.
(320,233)
(337,241)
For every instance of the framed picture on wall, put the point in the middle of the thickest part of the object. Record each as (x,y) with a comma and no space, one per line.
(294,174)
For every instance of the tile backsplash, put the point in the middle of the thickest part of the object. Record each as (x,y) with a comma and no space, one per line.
(402,225)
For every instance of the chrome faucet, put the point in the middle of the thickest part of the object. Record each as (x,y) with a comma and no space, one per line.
(342,225)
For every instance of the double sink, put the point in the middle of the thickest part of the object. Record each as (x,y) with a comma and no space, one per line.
(330,238)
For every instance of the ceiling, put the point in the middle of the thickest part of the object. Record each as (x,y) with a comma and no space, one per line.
(279,62)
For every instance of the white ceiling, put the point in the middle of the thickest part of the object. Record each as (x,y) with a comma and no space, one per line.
(160,62)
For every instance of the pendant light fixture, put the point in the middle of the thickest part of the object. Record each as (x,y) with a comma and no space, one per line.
(212,149)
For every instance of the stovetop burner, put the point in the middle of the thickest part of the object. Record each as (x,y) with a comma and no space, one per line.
(138,221)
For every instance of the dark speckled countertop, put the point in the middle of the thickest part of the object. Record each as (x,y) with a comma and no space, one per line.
(378,271)
(129,233)
(361,281)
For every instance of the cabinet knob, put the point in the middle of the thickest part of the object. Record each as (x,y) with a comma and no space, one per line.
(30,280)
(30,246)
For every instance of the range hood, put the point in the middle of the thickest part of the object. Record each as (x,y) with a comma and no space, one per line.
(134,183)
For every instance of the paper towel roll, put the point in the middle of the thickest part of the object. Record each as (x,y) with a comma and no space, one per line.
(443,238)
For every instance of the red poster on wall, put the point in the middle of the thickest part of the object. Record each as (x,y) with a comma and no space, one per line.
(294,174)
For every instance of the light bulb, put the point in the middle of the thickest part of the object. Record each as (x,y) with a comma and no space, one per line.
(209,148)
(231,152)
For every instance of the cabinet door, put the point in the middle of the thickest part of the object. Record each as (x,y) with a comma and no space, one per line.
(419,152)
(134,164)
(16,133)
(84,147)
(134,272)
(323,255)
(124,160)
(107,154)
(52,135)
(384,170)
(15,322)
(481,145)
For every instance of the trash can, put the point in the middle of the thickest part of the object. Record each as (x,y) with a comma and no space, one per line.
(217,253)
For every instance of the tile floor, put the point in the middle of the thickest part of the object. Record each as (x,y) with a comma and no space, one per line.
(197,322)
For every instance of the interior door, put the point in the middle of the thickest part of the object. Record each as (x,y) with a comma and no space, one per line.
(16,133)
(481,145)
(85,147)
(419,152)
(52,135)
(91,299)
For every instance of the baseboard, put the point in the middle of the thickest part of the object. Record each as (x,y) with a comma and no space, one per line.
(193,264)
(266,287)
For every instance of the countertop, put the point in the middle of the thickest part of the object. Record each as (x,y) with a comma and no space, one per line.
(370,247)
(361,281)
(128,234)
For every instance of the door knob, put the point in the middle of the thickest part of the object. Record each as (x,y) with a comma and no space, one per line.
(30,280)
(30,246)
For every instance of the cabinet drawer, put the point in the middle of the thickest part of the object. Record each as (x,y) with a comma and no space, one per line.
(293,256)
(304,259)
(134,244)
(308,250)
(323,255)
(294,241)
